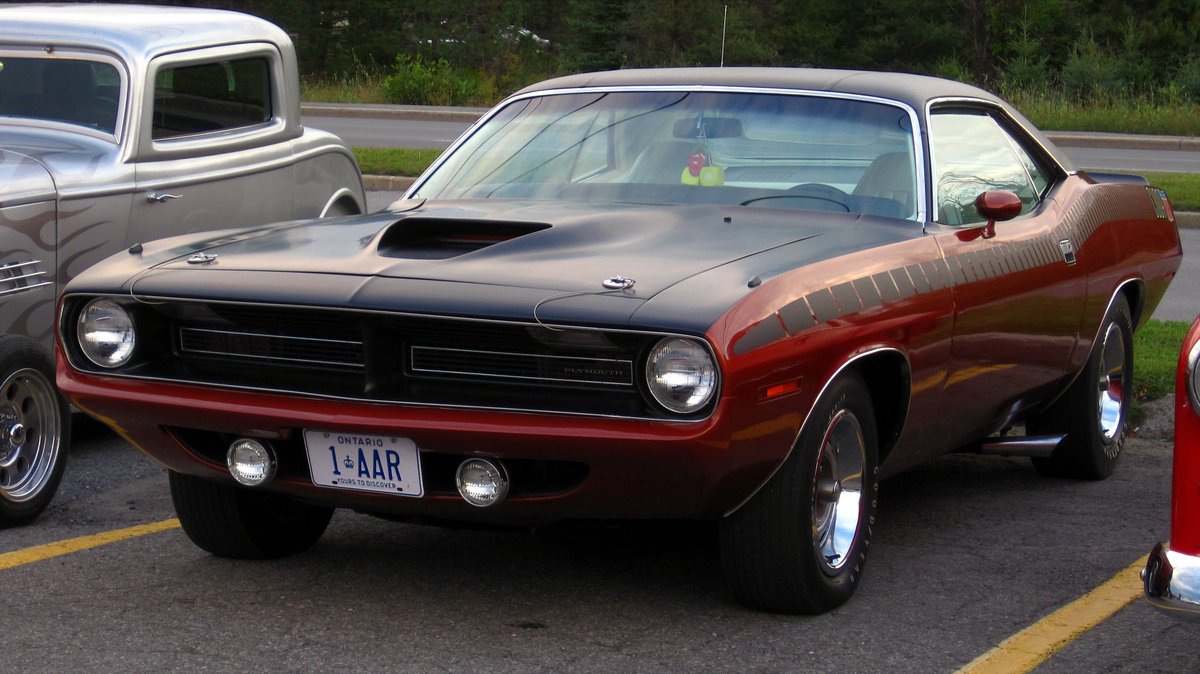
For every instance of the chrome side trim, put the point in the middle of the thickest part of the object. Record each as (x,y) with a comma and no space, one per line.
(1037,446)
(1171,582)
(808,416)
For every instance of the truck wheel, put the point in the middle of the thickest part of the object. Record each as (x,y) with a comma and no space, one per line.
(35,431)
(798,546)
(1094,412)
(240,523)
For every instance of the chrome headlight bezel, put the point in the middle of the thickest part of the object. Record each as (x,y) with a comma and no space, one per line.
(1192,377)
(681,374)
(105,333)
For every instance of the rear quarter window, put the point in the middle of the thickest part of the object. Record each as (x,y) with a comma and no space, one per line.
(211,97)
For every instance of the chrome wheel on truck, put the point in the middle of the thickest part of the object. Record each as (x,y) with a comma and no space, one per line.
(34,431)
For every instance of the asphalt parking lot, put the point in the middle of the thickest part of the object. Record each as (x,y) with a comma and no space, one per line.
(979,564)
(969,552)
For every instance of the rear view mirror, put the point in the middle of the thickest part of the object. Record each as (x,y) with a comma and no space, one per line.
(997,206)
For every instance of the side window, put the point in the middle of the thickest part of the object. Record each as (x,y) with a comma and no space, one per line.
(972,154)
(208,97)
(75,91)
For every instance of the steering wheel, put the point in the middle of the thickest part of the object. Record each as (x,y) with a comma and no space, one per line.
(818,191)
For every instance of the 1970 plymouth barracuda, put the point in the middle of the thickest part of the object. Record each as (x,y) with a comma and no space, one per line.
(736,294)
(121,124)
(1172,574)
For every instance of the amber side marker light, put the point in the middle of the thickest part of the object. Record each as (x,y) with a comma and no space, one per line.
(776,390)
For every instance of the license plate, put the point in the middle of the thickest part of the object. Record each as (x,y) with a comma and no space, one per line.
(376,463)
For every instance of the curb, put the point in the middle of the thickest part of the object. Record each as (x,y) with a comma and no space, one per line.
(1118,141)
(375,183)
(1187,220)
(415,112)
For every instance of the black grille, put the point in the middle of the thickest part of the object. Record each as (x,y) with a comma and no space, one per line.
(393,358)
(525,366)
(262,346)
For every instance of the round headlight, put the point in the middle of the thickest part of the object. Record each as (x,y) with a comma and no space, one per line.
(105,333)
(681,375)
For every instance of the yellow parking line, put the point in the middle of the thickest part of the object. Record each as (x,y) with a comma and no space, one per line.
(1031,646)
(37,553)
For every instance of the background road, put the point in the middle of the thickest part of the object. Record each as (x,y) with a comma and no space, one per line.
(439,133)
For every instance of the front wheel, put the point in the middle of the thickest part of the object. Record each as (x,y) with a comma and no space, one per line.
(799,545)
(35,431)
(241,523)
(1094,412)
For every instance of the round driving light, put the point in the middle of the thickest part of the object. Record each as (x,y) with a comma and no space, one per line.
(105,333)
(481,482)
(251,462)
(681,375)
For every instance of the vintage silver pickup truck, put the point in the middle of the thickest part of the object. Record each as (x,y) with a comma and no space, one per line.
(121,124)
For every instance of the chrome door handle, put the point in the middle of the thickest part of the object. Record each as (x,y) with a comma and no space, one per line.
(156,198)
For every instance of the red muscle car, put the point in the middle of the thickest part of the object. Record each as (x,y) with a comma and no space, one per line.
(736,294)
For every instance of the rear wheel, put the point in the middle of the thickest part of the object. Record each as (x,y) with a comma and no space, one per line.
(799,545)
(1094,412)
(241,523)
(35,431)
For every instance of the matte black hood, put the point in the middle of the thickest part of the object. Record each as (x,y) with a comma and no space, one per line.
(557,247)
(500,259)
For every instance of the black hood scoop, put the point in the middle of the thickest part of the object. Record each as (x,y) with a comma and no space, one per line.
(441,238)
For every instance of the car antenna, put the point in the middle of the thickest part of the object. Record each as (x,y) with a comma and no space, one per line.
(724,23)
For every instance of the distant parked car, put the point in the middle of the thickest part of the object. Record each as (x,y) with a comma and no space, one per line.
(734,294)
(121,124)
(1172,574)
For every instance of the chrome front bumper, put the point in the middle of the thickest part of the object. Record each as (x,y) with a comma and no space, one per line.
(1172,582)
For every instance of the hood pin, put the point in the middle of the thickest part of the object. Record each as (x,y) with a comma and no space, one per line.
(619,283)
(201,258)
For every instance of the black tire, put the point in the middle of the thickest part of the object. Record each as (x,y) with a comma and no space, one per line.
(35,431)
(1094,412)
(779,551)
(231,521)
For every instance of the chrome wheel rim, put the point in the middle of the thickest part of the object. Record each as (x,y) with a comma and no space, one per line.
(1111,383)
(837,491)
(29,438)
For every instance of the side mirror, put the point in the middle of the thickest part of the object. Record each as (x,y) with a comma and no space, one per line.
(997,206)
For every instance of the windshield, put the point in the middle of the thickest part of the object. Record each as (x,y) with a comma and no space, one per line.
(74,91)
(767,150)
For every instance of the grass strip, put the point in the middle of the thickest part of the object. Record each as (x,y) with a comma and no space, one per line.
(1155,354)
(388,161)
